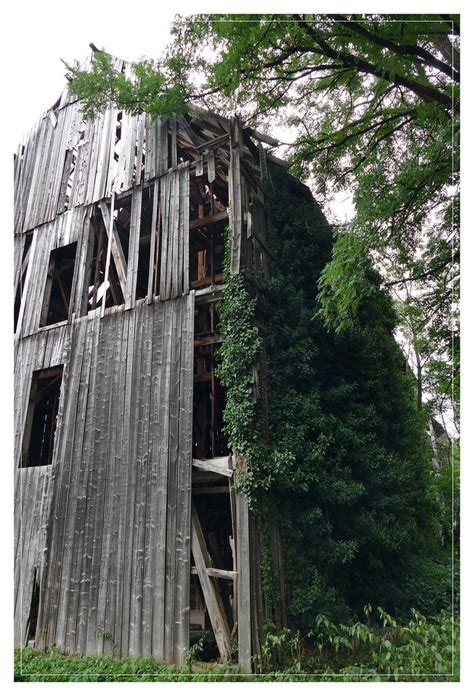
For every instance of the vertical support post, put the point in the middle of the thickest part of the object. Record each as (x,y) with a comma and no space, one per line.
(153,266)
(109,251)
(243,578)
(235,194)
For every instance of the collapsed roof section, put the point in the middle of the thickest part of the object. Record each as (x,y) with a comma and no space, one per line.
(65,161)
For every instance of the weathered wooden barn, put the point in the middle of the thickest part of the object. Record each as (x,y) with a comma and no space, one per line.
(129,535)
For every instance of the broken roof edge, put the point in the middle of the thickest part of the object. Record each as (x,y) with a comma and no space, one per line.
(65,98)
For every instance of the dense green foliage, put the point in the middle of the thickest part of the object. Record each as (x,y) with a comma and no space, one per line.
(353,493)
(372,106)
(377,650)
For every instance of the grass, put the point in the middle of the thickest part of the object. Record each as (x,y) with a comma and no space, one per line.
(381,649)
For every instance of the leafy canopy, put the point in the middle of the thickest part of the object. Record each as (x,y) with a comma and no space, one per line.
(371,103)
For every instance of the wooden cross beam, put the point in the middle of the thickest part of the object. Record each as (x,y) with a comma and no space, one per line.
(117,251)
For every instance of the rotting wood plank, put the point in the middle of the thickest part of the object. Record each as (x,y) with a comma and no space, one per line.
(211,164)
(153,240)
(108,255)
(157,505)
(152,502)
(220,573)
(235,195)
(184,204)
(104,552)
(160,595)
(183,536)
(136,460)
(171,521)
(134,247)
(164,208)
(82,457)
(173,260)
(243,581)
(94,448)
(60,539)
(133,373)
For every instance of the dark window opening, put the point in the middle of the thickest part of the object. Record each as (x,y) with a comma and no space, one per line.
(145,246)
(40,427)
(34,609)
(57,294)
(25,259)
(206,255)
(209,439)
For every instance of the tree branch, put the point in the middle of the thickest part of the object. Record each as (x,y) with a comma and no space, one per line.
(408,50)
(425,92)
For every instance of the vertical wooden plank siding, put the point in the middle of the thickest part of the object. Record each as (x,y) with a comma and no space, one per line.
(106,528)
(235,194)
(127,406)
(174,210)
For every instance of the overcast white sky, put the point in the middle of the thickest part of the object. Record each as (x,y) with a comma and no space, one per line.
(53,30)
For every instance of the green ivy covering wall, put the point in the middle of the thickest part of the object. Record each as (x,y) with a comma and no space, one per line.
(344,470)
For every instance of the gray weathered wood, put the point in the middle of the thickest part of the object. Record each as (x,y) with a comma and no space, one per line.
(218,465)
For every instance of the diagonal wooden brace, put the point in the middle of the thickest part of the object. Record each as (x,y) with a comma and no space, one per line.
(209,589)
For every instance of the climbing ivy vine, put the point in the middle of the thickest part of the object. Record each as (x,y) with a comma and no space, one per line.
(237,357)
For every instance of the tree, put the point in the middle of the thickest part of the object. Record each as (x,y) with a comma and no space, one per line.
(372,103)
(350,458)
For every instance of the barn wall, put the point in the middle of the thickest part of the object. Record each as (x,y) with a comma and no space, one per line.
(105,529)
(108,524)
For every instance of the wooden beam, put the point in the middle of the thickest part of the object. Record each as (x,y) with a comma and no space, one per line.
(109,250)
(210,294)
(262,137)
(211,595)
(117,251)
(213,144)
(209,220)
(219,573)
(219,277)
(218,465)
(208,340)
